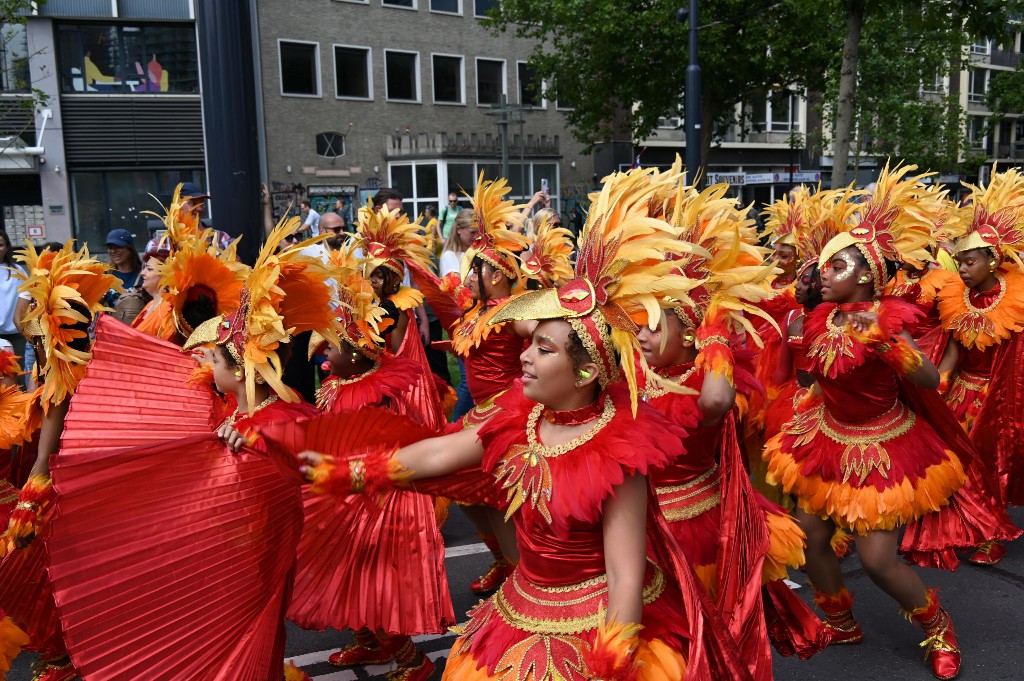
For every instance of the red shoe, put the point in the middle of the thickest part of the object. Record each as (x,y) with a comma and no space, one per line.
(988,553)
(54,669)
(420,669)
(941,648)
(843,629)
(357,655)
(494,577)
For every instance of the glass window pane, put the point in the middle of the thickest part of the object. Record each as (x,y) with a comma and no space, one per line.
(448,79)
(298,69)
(461,178)
(89,210)
(400,3)
(401,75)
(401,180)
(445,6)
(426,181)
(482,7)
(549,172)
(492,171)
(529,86)
(519,179)
(490,81)
(134,58)
(351,72)
(14,76)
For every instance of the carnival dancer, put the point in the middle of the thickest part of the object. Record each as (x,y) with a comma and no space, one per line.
(706,495)
(889,457)
(66,288)
(390,243)
(983,312)
(921,286)
(574,460)
(165,484)
(490,271)
(377,568)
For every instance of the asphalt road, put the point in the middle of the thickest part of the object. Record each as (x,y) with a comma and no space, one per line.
(986,603)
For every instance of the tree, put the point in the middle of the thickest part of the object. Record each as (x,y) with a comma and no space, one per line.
(17,110)
(622,63)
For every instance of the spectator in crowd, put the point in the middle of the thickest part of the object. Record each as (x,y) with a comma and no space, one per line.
(9,283)
(195,199)
(310,218)
(389,197)
(446,217)
(539,217)
(124,261)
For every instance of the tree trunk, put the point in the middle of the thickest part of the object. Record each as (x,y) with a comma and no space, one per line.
(847,89)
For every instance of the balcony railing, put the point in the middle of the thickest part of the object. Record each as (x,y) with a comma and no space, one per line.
(468,144)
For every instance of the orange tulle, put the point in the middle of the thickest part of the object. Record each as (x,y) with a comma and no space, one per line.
(12,640)
(863,509)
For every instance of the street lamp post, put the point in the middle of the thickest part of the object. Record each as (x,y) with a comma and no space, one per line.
(693,94)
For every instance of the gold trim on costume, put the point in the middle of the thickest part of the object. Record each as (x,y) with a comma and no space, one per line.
(691,499)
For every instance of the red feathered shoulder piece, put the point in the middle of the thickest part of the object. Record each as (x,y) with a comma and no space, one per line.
(835,351)
(389,379)
(572,485)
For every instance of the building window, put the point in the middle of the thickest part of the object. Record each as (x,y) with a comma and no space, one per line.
(449,79)
(102,201)
(976,132)
(781,113)
(481,8)
(419,185)
(404,4)
(127,58)
(935,83)
(531,88)
(490,81)
(977,85)
(330,144)
(352,69)
(13,59)
(300,68)
(525,180)
(403,76)
(446,6)
(982,46)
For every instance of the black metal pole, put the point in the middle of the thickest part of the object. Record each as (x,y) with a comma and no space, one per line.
(230,131)
(693,96)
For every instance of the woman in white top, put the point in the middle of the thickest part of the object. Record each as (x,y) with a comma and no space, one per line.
(460,238)
(9,283)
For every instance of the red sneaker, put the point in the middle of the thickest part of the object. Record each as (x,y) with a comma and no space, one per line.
(988,553)
(494,577)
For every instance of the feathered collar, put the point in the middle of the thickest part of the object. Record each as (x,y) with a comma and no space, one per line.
(982,320)
(389,378)
(473,330)
(561,485)
(834,350)
(921,288)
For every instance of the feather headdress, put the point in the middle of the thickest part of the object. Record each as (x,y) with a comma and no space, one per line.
(895,224)
(621,277)
(195,269)
(786,216)
(549,259)
(731,270)
(284,294)
(995,216)
(828,213)
(388,239)
(66,288)
(179,224)
(361,319)
(497,245)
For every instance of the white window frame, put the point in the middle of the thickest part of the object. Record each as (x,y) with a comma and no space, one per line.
(442,176)
(319,74)
(504,79)
(369,72)
(980,142)
(419,85)
(543,88)
(475,15)
(356,2)
(982,47)
(462,76)
(971,75)
(457,13)
(531,181)
(414,8)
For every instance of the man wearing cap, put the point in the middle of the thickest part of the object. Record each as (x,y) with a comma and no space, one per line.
(194,201)
(124,261)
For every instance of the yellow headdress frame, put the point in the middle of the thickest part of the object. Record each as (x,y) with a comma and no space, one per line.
(496,244)
(996,216)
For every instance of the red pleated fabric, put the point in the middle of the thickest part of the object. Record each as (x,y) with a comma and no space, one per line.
(172,560)
(999,428)
(135,390)
(423,393)
(26,596)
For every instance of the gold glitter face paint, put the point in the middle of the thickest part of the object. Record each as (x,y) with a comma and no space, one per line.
(850,263)
(550,341)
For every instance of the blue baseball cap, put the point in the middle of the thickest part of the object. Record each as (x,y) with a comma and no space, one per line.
(121,238)
(191,190)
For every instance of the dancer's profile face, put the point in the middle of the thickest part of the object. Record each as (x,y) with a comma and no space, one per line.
(224,370)
(666,345)
(975,266)
(841,279)
(785,258)
(548,375)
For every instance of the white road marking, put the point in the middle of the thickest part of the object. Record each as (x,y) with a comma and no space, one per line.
(792,585)
(465,550)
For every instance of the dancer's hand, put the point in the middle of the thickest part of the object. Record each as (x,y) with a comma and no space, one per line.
(862,321)
(310,459)
(232,438)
